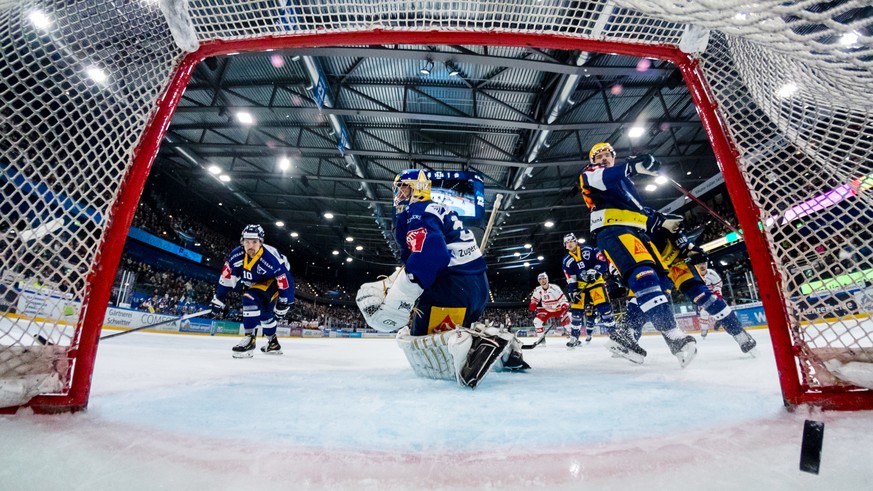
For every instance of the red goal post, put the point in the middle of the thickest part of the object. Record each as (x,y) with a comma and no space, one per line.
(87,93)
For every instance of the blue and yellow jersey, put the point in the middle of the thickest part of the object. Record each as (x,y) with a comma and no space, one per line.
(612,198)
(577,262)
(433,240)
(268,268)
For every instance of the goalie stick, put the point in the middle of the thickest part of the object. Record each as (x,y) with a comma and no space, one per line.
(175,319)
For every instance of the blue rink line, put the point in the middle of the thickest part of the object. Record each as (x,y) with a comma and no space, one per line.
(397,411)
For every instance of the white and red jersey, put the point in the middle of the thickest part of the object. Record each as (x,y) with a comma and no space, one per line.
(713,282)
(551,298)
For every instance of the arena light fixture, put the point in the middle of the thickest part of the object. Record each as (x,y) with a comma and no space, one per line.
(549,224)
(96,74)
(636,131)
(527,246)
(295,235)
(224,178)
(39,19)
(328,215)
(284,163)
(651,187)
(359,248)
(214,169)
(425,70)
(245,117)
(348,259)
(280,224)
(662,179)
(787,90)
(335,253)
(350,239)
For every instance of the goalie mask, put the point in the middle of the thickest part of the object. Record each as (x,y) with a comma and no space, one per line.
(252,231)
(418,187)
(597,151)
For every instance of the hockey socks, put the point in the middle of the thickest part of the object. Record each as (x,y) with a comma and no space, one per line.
(651,299)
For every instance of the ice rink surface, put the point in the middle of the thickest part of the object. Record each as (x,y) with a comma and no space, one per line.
(178,412)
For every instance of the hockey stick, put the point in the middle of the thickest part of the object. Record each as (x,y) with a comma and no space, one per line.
(703,205)
(539,338)
(175,319)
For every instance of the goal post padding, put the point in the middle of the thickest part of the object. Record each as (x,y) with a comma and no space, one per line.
(84,115)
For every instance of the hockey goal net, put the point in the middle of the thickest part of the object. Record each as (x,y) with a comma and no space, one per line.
(87,89)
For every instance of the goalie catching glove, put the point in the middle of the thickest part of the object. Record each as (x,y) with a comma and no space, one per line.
(642,164)
(389,311)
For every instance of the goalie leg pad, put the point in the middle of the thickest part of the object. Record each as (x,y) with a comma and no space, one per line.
(434,356)
(485,350)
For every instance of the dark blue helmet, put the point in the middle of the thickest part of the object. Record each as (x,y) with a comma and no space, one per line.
(253,231)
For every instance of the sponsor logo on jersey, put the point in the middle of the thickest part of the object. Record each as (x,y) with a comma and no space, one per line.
(261,270)
(225,271)
(415,239)
(282,281)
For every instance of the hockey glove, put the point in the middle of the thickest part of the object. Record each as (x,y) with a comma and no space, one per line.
(218,307)
(371,295)
(667,221)
(394,311)
(282,308)
(696,255)
(532,307)
(642,164)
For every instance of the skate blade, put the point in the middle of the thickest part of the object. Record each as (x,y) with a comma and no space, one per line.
(619,351)
(686,355)
(243,354)
(276,352)
(753,352)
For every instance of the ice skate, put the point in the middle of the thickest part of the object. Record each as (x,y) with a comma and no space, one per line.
(747,343)
(272,347)
(588,338)
(622,345)
(246,347)
(515,362)
(573,342)
(684,348)
(703,332)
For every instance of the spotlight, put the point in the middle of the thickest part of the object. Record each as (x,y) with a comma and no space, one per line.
(453,70)
(425,70)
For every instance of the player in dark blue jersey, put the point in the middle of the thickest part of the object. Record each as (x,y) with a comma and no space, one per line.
(619,225)
(681,256)
(443,279)
(584,267)
(264,275)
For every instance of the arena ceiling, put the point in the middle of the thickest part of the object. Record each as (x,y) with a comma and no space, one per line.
(521,117)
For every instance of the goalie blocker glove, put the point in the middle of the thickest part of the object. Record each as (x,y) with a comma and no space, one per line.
(642,164)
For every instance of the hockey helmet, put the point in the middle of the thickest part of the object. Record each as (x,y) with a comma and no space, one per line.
(417,180)
(542,276)
(569,237)
(252,231)
(600,147)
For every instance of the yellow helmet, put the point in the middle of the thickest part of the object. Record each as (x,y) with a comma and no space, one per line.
(599,147)
(417,180)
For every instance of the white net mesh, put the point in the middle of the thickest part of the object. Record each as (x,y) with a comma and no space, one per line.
(79,81)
